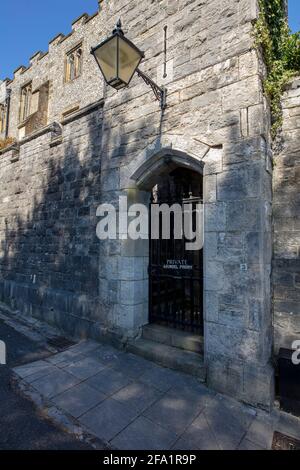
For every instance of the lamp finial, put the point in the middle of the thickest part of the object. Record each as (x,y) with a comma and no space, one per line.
(118,27)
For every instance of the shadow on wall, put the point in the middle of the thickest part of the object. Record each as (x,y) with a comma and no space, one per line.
(49,259)
(286,203)
(51,264)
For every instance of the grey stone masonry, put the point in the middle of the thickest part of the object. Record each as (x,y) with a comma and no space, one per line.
(286,219)
(100,144)
(49,251)
(50,66)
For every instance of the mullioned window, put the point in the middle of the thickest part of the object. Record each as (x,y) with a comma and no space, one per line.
(25,103)
(73,64)
(3,114)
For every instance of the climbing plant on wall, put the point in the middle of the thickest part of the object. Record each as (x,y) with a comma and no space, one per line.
(281,51)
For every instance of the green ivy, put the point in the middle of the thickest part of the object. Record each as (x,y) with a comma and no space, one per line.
(281,51)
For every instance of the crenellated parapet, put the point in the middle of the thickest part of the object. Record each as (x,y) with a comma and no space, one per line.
(48,69)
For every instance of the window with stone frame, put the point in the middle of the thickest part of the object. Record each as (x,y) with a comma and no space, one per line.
(3,114)
(25,102)
(73,63)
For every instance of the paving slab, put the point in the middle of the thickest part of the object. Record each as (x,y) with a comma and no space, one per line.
(105,354)
(22,426)
(197,393)
(79,399)
(73,353)
(143,434)
(31,368)
(199,435)
(248,445)
(138,396)
(165,379)
(40,373)
(261,432)
(70,360)
(108,419)
(65,357)
(132,403)
(229,421)
(55,383)
(85,368)
(84,347)
(109,381)
(175,411)
(183,444)
(130,365)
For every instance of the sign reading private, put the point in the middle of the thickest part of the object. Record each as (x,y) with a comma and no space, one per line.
(178,264)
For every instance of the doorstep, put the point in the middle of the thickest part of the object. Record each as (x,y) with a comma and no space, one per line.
(171,348)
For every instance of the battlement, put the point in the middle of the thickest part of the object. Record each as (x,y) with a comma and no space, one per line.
(67,90)
(58,39)
(71,76)
(49,67)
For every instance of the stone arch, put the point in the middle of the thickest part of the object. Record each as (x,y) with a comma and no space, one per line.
(136,181)
(140,177)
(179,150)
(162,162)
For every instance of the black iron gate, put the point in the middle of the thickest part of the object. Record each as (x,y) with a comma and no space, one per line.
(175,273)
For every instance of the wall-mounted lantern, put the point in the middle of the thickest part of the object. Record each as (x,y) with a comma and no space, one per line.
(118,59)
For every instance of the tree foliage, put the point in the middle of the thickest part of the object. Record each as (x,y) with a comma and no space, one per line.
(281,51)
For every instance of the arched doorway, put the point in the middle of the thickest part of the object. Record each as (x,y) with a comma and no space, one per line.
(182,176)
(175,272)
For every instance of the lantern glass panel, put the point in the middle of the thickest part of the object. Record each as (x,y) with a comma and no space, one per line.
(129,59)
(106,56)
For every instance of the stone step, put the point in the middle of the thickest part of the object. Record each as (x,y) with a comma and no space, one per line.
(171,337)
(168,356)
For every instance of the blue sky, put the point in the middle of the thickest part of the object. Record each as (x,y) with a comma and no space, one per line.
(294,15)
(26,26)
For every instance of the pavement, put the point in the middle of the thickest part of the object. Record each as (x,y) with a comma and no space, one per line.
(22,426)
(128,403)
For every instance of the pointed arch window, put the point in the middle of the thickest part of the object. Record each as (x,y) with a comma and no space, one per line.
(74,63)
(25,103)
(3,117)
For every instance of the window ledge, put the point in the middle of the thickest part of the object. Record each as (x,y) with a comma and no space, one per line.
(37,133)
(23,123)
(69,82)
(82,112)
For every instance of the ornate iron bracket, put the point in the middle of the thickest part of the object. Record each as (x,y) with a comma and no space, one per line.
(159,92)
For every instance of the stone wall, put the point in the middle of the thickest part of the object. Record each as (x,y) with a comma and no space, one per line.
(39,118)
(216,115)
(49,251)
(286,209)
(216,119)
(50,66)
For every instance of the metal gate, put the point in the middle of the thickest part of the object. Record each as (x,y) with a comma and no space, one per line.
(176,274)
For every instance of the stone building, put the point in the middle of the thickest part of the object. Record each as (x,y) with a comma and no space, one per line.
(78,143)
